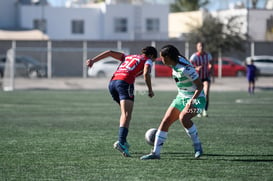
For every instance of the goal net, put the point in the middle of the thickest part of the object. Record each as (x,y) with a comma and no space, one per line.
(8,78)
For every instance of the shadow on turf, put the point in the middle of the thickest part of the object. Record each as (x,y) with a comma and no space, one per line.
(240,158)
(235,158)
(264,88)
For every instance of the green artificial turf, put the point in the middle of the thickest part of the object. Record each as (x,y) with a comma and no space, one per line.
(69,135)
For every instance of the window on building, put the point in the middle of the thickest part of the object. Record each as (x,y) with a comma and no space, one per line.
(120,25)
(152,25)
(40,24)
(77,26)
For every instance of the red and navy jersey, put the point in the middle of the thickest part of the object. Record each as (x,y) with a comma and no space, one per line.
(131,67)
(202,59)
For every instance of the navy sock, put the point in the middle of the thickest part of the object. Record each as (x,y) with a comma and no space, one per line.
(122,135)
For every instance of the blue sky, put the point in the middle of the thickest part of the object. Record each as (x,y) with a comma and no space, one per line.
(223,4)
(57,2)
(214,5)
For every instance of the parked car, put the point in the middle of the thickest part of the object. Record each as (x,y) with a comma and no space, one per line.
(230,67)
(106,68)
(25,66)
(162,70)
(263,63)
(103,68)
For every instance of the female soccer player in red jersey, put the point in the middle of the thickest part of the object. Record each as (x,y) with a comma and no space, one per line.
(203,65)
(121,86)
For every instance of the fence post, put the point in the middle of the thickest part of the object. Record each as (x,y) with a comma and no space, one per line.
(153,44)
(84,57)
(187,50)
(219,63)
(119,45)
(252,49)
(13,61)
(49,59)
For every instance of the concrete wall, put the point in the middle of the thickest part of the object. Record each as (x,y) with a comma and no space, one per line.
(8,14)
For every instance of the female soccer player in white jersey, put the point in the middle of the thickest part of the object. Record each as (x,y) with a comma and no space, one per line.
(121,86)
(189,101)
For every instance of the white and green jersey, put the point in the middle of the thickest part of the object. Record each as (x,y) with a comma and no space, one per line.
(184,74)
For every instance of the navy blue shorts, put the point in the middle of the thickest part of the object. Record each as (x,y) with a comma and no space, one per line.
(121,90)
(206,80)
(251,79)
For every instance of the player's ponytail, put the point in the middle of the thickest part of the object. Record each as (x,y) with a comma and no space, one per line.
(172,52)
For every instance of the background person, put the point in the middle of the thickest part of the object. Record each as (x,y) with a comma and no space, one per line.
(251,74)
(189,101)
(202,62)
(121,86)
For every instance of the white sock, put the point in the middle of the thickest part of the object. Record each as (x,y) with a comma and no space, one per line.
(192,133)
(160,138)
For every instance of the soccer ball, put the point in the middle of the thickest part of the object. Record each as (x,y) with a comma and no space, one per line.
(150,136)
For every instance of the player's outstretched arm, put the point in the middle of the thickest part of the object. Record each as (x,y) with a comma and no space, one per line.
(147,78)
(108,53)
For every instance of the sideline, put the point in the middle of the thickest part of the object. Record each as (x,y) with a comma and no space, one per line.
(159,84)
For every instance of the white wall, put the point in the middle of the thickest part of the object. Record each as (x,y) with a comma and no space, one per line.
(98,21)
(8,14)
(161,12)
(59,21)
(136,16)
(257,23)
(118,11)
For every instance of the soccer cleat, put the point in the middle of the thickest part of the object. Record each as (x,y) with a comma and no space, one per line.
(151,156)
(199,115)
(122,148)
(127,145)
(205,114)
(198,151)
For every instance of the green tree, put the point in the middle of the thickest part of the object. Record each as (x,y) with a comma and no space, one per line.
(187,5)
(216,34)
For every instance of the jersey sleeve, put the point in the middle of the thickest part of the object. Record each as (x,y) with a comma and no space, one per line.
(191,73)
(192,59)
(149,62)
(209,58)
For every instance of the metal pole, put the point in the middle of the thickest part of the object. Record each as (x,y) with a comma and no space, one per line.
(252,49)
(119,45)
(13,64)
(49,59)
(153,44)
(187,50)
(219,63)
(84,58)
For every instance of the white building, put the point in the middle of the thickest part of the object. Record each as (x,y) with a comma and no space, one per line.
(257,23)
(121,21)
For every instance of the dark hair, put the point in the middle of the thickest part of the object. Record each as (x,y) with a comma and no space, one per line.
(201,42)
(149,50)
(172,52)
